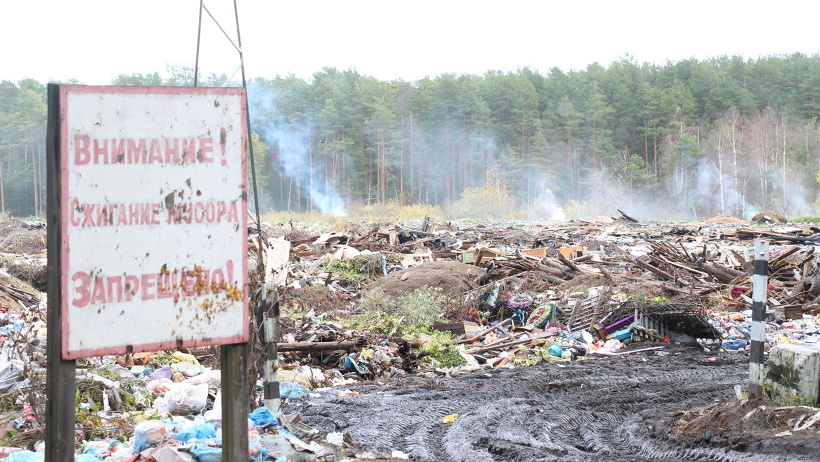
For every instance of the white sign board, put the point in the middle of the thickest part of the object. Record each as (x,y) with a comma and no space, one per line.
(153,203)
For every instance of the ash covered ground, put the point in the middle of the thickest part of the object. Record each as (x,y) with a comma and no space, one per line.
(637,407)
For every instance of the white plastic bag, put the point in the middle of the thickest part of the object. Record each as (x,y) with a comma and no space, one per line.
(185,398)
(215,415)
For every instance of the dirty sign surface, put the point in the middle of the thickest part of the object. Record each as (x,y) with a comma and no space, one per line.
(153,200)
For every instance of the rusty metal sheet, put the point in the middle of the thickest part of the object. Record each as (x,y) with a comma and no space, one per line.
(153,198)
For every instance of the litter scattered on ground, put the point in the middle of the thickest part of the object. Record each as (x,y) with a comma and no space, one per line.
(424,302)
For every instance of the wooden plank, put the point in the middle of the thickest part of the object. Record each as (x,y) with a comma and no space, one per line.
(501,345)
(235,400)
(316,346)
(479,334)
(456,328)
(658,272)
(570,264)
(60,380)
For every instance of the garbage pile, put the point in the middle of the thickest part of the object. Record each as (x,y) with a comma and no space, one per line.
(615,279)
(177,438)
(374,303)
(163,407)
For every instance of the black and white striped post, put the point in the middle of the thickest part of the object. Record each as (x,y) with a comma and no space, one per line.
(270,302)
(760,284)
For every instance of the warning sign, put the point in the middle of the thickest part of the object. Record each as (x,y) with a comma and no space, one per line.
(153,204)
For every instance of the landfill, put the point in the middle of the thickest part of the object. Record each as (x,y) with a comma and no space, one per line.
(430,312)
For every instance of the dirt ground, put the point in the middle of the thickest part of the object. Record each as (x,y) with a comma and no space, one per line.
(645,406)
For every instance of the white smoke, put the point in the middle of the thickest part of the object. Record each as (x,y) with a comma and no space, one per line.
(716,192)
(546,205)
(291,143)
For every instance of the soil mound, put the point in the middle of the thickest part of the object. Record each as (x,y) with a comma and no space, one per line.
(753,425)
(22,237)
(724,220)
(769,217)
(14,295)
(449,275)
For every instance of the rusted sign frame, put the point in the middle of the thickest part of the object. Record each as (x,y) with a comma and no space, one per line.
(167,343)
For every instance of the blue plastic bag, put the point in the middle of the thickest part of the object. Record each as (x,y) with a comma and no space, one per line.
(86,458)
(263,417)
(26,456)
(199,431)
(204,453)
(735,344)
(555,350)
(292,390)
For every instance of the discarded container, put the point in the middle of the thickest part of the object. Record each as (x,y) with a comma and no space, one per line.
(623,323)
(555,350)
(624,335)
(449,418)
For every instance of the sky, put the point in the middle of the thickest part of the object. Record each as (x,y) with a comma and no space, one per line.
(93,41)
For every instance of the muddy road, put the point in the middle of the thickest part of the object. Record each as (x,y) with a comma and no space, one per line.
(604,408)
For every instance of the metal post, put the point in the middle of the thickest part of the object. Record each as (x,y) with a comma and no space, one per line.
(760,286)
(198,37)
(270,305)
(60,379)
(235,357)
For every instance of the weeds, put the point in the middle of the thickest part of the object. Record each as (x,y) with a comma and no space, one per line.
(805,219)
(421,307)
(358,270)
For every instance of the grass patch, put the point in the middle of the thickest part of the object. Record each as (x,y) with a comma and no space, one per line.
(805,219)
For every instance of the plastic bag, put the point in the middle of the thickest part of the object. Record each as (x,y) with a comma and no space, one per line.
(147,434)
(292,390)
(263,417)
(86,458)
(212,378)
(255,449)
(186,369)
(199,431)
(159,385)
(163,372)
(9,378)
(96,448)
(204,453)
(215,414)
(26,456)
(184,398)
(180,356)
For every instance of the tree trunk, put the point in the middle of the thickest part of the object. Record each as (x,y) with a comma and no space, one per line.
(2,189)
(401,163)
(310,175)
(36,182)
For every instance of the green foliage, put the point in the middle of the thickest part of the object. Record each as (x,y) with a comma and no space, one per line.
(358,270)
(443,355)
(376,300)
(805,219)
(412,312)
(377,322)
(421,308)
(620,132)
(491,200)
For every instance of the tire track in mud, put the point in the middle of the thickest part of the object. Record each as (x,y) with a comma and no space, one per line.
(600,409)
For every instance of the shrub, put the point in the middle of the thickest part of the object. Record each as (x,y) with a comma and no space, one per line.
(421,307)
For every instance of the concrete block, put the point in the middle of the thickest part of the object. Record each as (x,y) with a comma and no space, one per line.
(792,374)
